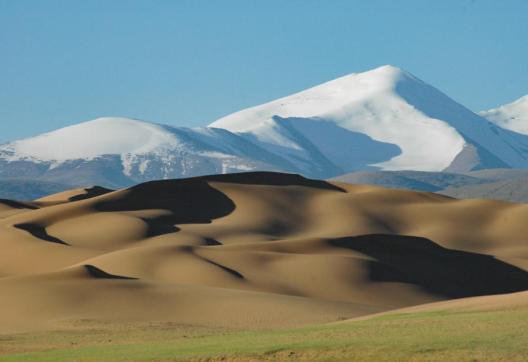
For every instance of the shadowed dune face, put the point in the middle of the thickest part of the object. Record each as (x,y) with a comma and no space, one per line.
(16,204)
(101,274)
(445,272)
(10,207)
(250,250)
(39,232)
(186,201)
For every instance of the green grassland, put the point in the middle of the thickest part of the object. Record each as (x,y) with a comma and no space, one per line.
(427,336)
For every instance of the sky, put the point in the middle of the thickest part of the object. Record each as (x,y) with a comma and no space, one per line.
(187,63)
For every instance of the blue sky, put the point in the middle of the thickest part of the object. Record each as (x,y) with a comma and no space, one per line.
(187,63)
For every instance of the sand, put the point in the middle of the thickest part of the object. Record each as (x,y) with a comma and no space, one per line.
(254,250)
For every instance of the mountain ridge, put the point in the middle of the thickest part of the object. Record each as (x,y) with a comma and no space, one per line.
(391,105)
(382,119)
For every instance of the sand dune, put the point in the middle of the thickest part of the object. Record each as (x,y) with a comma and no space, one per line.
(59,298)
(250,250)
(483,303)
(498,302)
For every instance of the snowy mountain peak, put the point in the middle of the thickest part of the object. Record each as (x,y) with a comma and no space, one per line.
(331,96)
(368,103)
(116,152)
(386,77)
(324,98)
(390,73)
(512,116)
(87,140)
(389,105)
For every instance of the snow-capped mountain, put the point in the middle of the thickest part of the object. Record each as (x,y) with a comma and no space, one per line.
(117,151)
(383,119)
(512,116)
(389,106)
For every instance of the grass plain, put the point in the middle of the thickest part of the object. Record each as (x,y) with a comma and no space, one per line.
(437,335)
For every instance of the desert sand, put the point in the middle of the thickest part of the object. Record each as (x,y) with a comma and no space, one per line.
(253,250)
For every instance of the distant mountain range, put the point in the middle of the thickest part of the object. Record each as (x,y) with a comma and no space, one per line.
(20,189)
(495,184)
(382,120)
